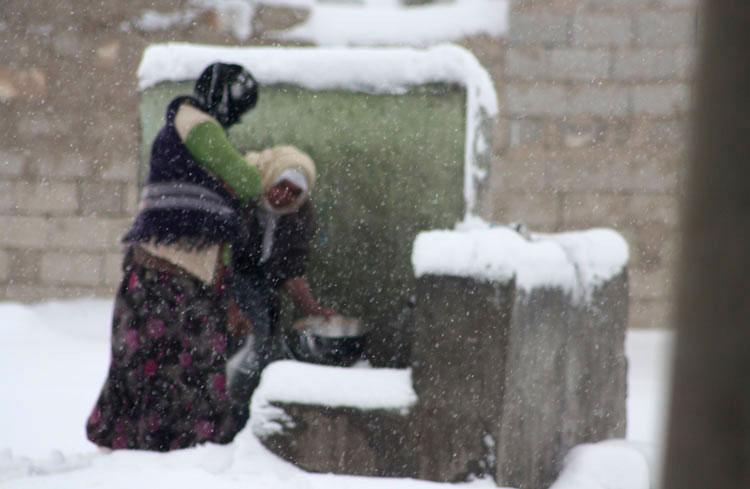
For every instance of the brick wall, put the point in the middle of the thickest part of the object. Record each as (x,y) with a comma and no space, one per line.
(594,100)
(69,140)
(593,93)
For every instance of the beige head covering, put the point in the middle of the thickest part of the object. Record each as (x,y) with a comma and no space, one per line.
(273,162)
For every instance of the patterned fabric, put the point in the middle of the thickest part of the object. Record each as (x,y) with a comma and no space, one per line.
(166,387)
(179,195)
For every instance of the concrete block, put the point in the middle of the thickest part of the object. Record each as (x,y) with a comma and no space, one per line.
(87,233)
(461,342)
(619,5)
(566,371)
(679,4)
(583,132)
(664,135)
(652,284)
(71,268)
(535,100)
(344,440)
(4,266)
(121,171)
(665,29)
(590,209)
(107,54)
(62,166)
(557,64)
(526,132)
(547,28)
(526,62)
(24,265)
(37,293)
(661,100)
(24,232)
(67,43)
(538,210)
(36,125)
(102,198)
(132,199)
(7,196)
(602,30)
(270,18)
(519,170)
(113,268)
(29,84)
(46,198)
(588,170)
(686,59)
(606,106)
(649,64)
(652,245)
(651,314)
(12,163)
(605,101)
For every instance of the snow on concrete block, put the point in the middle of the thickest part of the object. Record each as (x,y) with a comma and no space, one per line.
(292,382)
(321,419)
(576,262)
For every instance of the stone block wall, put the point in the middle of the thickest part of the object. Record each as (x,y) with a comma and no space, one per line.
(594,97)
(69,139)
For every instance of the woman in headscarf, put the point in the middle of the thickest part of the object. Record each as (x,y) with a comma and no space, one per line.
(270,257)
(166,386)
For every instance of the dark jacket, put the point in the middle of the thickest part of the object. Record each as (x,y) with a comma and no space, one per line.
(291,246)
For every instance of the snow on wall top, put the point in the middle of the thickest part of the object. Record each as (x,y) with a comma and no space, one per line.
(367,70)
(393,24)
(575,261)
(293,382)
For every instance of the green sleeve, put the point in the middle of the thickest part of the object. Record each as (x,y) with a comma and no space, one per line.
(210,146)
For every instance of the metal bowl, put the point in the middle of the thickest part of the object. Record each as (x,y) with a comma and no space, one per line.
(337,341)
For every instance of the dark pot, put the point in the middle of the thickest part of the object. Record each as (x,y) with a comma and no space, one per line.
(336,341)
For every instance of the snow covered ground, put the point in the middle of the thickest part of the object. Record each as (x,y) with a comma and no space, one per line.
(53,359)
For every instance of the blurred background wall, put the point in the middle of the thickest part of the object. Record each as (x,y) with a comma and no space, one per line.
(594,96)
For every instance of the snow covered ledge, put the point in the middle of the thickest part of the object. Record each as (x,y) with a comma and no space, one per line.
(340,420)
(527,334)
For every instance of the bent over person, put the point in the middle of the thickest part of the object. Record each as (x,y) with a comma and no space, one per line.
(270,256)
(166,386)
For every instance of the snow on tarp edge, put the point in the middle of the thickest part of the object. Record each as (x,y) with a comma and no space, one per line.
(369,70)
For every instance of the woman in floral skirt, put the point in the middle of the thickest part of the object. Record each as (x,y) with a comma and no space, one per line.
(173,328)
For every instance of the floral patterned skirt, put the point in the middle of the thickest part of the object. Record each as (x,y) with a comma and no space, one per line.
(166,386)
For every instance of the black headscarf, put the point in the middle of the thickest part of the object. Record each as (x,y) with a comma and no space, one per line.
(226,91)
